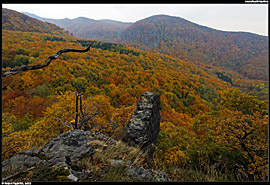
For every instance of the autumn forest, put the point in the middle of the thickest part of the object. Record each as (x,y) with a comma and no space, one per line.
(214,118)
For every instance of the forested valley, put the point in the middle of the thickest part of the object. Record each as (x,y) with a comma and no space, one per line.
(210,130)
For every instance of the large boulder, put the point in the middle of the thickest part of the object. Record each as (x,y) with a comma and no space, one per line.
(144,125)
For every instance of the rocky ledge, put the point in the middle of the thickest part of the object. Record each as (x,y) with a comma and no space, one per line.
(89,156)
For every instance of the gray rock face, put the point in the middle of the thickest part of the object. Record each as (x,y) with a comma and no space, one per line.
(144,124)
(70,146)
(73,145)
(22,161)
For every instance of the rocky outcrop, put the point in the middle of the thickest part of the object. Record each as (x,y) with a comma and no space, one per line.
(73,145)
(144,125)
(69,147)
(68,156)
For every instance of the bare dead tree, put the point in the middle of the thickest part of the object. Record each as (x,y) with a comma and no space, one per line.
(83,120)
(77,110)
(20,69)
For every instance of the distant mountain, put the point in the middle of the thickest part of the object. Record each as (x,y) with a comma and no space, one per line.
(124,24)
(102,30)
(242,52)
(245,53)
(12,20)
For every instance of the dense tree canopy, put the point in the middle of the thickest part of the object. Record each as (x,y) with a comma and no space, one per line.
(204,122)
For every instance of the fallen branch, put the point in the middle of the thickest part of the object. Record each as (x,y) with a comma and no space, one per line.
(63,122)
(5,87)
(16,70)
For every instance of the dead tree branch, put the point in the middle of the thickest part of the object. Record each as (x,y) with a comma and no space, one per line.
(82,118)
(5,87)
(63,122)
(16,70)
(77,111)
(85,118)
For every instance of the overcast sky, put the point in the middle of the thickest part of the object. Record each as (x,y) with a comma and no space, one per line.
(228,17)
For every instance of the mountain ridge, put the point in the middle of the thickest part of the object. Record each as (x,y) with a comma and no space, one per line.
(12,20)
(102,30)
(243,52)
(156,16)
(181,38)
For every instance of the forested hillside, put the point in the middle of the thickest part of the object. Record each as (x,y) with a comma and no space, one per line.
(209,131)
(245,54)
(12,20)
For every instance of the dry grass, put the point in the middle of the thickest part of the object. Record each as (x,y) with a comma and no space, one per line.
(109,161)
(120,151)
